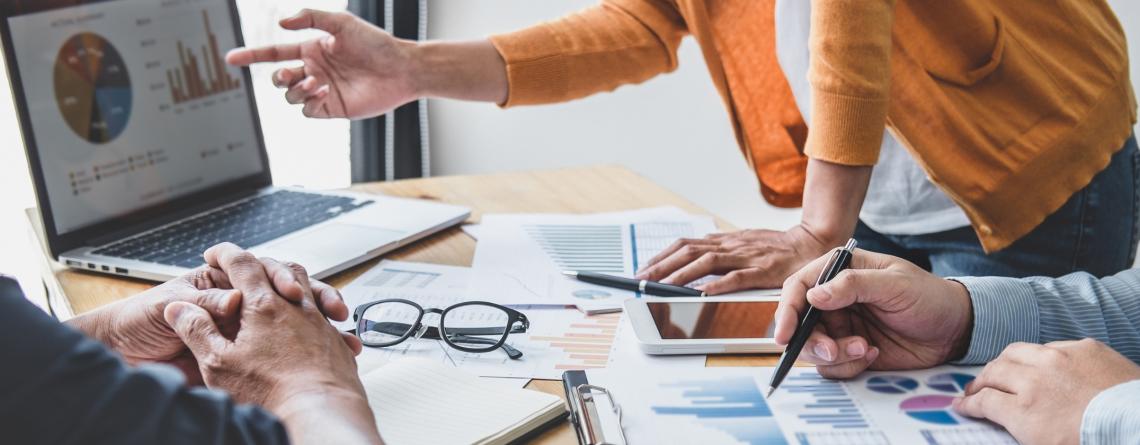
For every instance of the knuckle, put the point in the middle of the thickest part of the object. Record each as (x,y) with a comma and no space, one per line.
(213,363)
(244,259)
(297,269)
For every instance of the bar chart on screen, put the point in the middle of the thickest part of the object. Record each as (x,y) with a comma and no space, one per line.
(200,74)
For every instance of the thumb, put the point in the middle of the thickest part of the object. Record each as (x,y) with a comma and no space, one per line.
(852,286)
(195,327)
(330,22)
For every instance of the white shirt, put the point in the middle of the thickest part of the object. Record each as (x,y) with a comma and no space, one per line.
(901,200)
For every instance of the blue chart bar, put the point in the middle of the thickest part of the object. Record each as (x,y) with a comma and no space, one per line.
(831,406)
(733,405)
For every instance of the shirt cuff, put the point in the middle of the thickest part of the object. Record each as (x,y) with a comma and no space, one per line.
(1005,312)
(1112,416)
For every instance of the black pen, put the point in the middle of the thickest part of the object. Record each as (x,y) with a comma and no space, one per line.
(838,262)
(644,286)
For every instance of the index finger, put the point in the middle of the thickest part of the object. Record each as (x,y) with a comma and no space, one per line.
(673,248)
(245,271)
(272,53)
(793,299)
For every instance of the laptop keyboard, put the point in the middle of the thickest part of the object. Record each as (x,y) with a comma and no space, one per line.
(247,223)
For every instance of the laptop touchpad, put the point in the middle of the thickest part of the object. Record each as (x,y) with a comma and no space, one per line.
(329,245)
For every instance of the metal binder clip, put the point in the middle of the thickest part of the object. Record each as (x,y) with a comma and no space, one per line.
(590,425)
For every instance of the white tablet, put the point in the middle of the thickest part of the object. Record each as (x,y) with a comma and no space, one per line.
(709,325)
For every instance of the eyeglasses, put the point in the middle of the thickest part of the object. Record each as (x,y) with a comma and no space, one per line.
(472,326)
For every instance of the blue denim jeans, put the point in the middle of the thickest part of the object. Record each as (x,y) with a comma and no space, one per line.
(1095,231)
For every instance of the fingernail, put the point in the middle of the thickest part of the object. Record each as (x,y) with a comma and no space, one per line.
(822,352)
(855,350)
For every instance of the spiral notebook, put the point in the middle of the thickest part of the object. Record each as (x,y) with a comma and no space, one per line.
(424,402)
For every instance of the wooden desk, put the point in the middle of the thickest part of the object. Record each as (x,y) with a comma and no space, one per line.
(577,190)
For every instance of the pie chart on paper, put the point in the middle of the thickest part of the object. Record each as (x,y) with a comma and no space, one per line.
(93,88)
(951,382)
(892,384)
(934,409)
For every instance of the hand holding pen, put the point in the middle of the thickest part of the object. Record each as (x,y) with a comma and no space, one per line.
(882,312)
(839,261)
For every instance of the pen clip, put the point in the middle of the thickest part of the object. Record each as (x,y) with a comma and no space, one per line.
(828,271)
(591,425)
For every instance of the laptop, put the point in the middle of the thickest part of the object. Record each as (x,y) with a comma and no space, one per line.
(146,148)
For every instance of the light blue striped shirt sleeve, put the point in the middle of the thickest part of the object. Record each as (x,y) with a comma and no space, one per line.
(1073,307)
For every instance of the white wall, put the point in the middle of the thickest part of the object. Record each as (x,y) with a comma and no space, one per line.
(672,129)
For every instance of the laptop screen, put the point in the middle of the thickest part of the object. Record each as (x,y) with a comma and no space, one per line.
(131,104)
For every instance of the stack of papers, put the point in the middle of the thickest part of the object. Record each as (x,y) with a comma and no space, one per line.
(520,258)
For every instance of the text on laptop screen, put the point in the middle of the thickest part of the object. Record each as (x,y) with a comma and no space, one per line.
(131,104)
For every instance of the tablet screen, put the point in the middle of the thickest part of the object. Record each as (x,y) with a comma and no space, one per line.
(712,320)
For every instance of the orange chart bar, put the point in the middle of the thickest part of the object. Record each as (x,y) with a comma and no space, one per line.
(586,343)
(188,82)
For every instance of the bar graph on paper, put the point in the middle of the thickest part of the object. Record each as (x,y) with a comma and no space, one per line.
(607,248)
(583,343)
(392,277)
(734,406)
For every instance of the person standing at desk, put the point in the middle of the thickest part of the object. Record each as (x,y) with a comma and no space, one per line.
(1009,148)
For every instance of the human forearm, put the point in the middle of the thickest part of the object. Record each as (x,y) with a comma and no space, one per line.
(95,324)
(334,416)
(470,70)
(1042,310)
(833,196)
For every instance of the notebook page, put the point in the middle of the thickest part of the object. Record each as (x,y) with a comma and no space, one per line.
(423,402)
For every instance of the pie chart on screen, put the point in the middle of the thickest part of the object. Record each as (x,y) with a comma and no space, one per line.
(93,88)
(934,409)
(951,382)
(891,384)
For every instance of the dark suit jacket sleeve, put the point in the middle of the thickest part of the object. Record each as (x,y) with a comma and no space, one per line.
(59,387)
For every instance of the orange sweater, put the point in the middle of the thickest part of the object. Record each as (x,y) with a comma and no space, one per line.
(1010,109)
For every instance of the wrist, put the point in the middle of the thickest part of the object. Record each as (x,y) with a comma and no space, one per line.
(326,415)
(419,60)
(472,70)
(823,237)
(95,324)
(960,344)
(303,390)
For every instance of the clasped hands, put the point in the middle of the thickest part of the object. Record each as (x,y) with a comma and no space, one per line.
(253,327)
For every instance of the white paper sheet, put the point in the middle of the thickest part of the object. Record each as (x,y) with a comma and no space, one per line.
(727,405)
(520,258)
(401,275)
